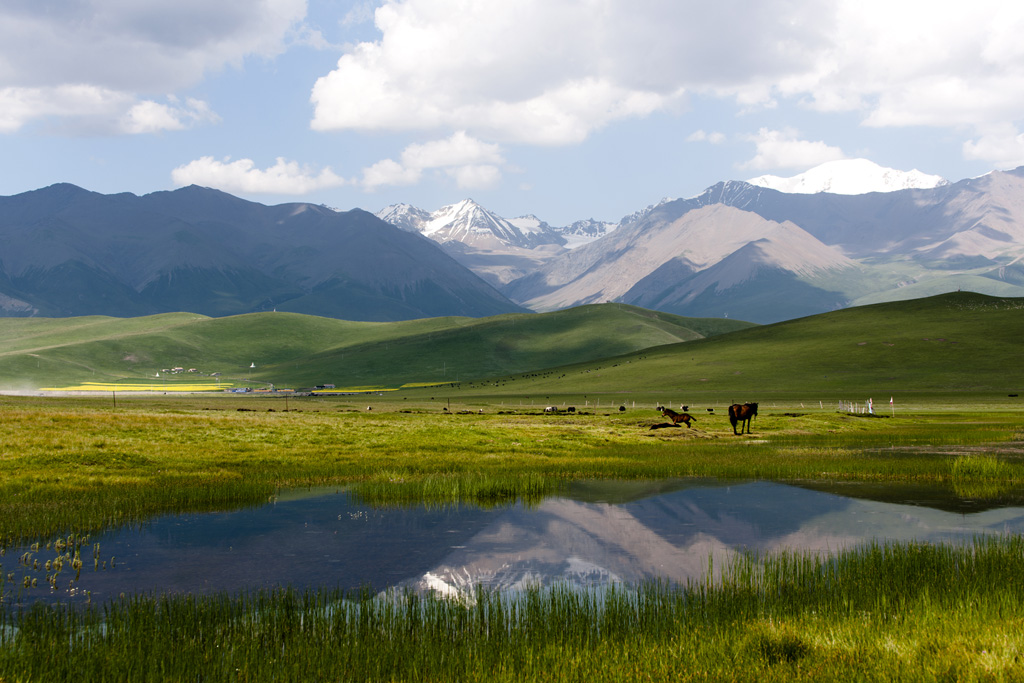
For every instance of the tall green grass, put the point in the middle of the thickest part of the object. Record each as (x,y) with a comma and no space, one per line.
(396,488)
(982,476)
(79,466)
(880,612)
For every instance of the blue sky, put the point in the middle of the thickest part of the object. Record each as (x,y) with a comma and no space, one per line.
(566,109)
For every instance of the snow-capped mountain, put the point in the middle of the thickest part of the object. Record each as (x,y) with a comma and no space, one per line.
(586,231)
(471,225)
(850,176)
(845,233)
(404,216)
(497,249)
(531,224)
(776,255)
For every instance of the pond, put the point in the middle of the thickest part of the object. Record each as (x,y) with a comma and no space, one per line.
(598,533)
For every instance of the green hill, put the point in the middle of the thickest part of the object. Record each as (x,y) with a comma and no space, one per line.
(952,343)
(296,350)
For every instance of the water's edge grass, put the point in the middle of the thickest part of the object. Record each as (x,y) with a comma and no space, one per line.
(882,611)
(80,467)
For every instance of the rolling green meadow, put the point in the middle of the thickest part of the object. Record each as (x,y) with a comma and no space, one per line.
(292,350)
(452,413)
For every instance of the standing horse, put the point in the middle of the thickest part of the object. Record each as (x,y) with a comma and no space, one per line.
(742,414)
(677,417)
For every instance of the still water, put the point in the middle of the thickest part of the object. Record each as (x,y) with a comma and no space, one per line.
(599,533)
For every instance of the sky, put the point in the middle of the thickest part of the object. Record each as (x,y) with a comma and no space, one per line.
(564,109)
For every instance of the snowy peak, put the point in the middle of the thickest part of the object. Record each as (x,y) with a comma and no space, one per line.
(404,216)
(850,177)
(530,224)
(586,231)
(464,221)
(468,223)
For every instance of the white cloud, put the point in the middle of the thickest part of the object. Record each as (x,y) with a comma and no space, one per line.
(907,62)
(124,49)
(390,172)
(457,150)
(548,73)
(242,176)
(99,110)
(552,73)
(359,13)
(1002,145)
(475,177)
(471,163)
(777,149)
(18,106)
(702,136)
(151,117)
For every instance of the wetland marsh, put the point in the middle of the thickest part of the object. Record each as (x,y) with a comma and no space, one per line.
(904,520)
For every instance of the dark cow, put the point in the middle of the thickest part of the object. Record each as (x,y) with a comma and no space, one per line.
(677,417)
(742,414)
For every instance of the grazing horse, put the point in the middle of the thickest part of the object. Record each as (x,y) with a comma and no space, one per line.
(677,417)
(742,414)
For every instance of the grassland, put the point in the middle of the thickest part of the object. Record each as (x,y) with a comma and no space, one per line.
(76,464)
(953,345)
(291,350)
(941,346)
(71,465)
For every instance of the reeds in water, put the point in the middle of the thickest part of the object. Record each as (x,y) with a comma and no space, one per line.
(982,476)
(395,488)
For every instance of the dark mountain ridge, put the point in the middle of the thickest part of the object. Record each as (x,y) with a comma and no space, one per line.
(68,252)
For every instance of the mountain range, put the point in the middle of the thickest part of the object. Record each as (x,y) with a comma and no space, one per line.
(770,249)
(497,249)
(846,233)
(70,252)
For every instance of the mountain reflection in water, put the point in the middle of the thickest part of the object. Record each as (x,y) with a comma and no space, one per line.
(600,533)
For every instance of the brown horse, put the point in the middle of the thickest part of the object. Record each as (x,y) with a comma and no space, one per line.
(742,414)
(677,417)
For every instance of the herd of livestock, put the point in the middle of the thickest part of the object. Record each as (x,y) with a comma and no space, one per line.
(739,414)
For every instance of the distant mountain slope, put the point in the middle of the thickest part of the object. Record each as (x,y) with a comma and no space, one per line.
(307,350)
(70,252)
(840,250)
(986,212)
(670,259)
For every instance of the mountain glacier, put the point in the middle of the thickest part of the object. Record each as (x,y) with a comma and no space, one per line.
(850,176)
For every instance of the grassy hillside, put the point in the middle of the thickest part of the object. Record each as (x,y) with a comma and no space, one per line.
(959,342)
(300,351)
(952,343)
